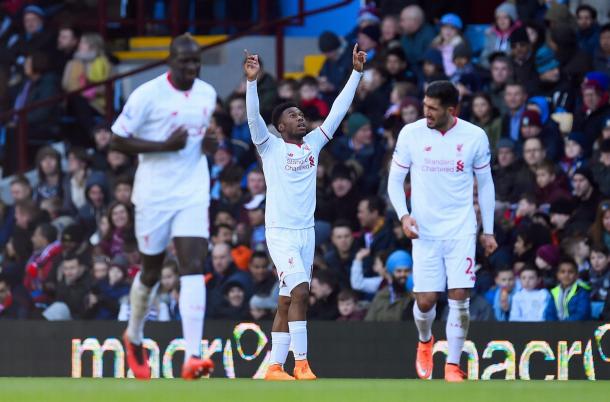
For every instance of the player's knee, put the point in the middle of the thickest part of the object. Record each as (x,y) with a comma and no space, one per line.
(300,294)
(149,277)
(283,305)
(458,294)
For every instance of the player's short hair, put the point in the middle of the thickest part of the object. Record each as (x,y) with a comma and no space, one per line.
(181,40)
(586,7)
(445,92)
(276,115)
(375,203)
(547,166)
(347,294)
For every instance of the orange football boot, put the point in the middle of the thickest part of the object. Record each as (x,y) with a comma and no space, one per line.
(137,359)
(195,368)
(276,372)
(302,371)
(453,373)
(424,362)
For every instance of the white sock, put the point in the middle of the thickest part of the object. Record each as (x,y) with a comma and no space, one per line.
(457,328)
(424,321)
(280,344)
(192,311)
(139,302)
(298,336)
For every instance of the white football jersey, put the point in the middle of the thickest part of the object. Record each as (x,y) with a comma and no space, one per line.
(442,167)
(169,180)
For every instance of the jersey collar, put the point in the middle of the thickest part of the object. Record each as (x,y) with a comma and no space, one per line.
(171,84)
(455,120)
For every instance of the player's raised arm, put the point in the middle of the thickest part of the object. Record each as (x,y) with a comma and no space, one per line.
(258,127)
(346,96)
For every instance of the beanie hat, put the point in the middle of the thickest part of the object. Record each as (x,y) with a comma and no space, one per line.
(355,122)
(509,9)
(505,143)
(549,253)
(241,257)
(452,19)
(585,171)
(530,118)
(328,41)
(519,35)
(399,259)
(372,31)
(121,262)
(368,13)
(558,13)
(579,138)
(562,206)
(73,233)
(434,56)
(545,60)
(461,50)
(33,9)
(597,80)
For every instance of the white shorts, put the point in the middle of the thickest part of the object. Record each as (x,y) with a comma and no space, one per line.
(442,264)
(155,229)
(292,252)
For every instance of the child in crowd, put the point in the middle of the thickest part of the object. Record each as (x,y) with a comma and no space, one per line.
(573,154)
(599,279)
(347,303)
(449,37)
(547,258)
(571,296)
(578,248)
(501,295)
(530,303)
(548,188)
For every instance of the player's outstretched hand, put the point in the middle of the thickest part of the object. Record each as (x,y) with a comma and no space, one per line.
(177,139)
(489,244)
(358,58)
(251,66)
(409,226)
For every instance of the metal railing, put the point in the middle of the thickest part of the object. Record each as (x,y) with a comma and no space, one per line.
(276,25)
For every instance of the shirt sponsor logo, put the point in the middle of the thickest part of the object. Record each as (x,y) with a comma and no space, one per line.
(427,148)
(459,147)
(459,166)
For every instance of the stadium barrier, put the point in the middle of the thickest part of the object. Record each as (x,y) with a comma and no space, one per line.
(551,351)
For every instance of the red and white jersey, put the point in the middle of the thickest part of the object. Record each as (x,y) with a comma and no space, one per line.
(169,180)
(442,167)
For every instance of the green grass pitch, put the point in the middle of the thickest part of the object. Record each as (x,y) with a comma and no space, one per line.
(335,390)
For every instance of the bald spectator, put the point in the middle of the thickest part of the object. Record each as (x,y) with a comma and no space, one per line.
(224,272)
(416,34)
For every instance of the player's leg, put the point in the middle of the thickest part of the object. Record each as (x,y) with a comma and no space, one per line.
(459,260)
(299,302)
(152,233)
(190,233)
(428,280)
(280,339)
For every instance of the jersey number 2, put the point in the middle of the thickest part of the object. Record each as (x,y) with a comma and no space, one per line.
(470,264)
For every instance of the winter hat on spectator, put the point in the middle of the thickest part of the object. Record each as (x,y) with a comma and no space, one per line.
(604,147)
(585,171)
(121,262)
(434,56)
(368,13)
(508,9)
(57,312)
(258,201)
(530,118)
(328,41)
(558,13)
(505,143)
(399,259)
(545,60)
(579,138)
(241,257)
(597,80)
(453,20)
(543,107)
(549,253)
(461,50)
(372,31)
(342,171)
(73,233)
(519,35)
(562,207)
(355,122)
(33,9)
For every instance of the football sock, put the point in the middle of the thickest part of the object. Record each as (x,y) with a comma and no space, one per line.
(192,312)
(280,344)
(457,329)
(139,302)
(424,321)
(298,336)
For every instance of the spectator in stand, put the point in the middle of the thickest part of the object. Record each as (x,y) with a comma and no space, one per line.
(256,219)
(552,84)
(573,154)
(573,61)
(341,253)
(104,299)
(169,288)
(410,111)
(588,28)
(587,196)
(547,259)
(501,295)
(101,136)
(89,65)
(549,189)
(600,230)
(391,302)
(601,57)
(231,194)
(397,66)
(377,231)
(342,203)
(370,285)
(347,305)
(599,276)
(485,115)
(601,167)
(336,67)
(497,36)
(515,96)
(416,33)
(119,164)
(531,127)
(511,177)
(578,249)
(528,239)
(97,194)
(572,296)
(73,182)
(501,71)
(39,280)
(265,284)
(73,286)
(120,217)
(596,110)
(11,307)
(390,32)
(531,303)
(255,182)
(123,187)
(309,96)
(522,55)
(67,43)
(234,305)
(48,164)
(323,298)
(560,214)
(224,272)
(21,190)
(449,37)
(432,67)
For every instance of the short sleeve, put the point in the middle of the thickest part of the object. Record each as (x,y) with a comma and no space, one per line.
(402,152)
(482,157)
(133,115)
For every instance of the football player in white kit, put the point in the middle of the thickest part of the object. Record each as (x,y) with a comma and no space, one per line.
(443,153)
(165,121)
(290,165)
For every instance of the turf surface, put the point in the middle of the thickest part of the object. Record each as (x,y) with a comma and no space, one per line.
(244,390)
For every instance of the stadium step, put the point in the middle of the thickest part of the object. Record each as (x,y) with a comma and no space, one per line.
(312,64)
(156,47)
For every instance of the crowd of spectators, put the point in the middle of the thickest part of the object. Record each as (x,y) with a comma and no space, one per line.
(538,86)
